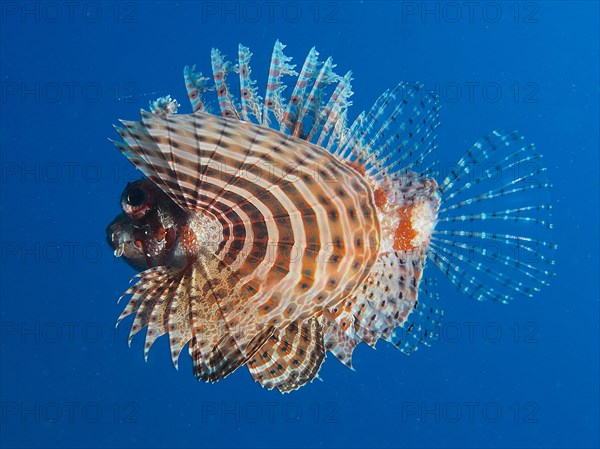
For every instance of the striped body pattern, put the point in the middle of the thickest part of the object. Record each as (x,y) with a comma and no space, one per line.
(268,231)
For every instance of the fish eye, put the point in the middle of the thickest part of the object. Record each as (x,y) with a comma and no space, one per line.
(136,197)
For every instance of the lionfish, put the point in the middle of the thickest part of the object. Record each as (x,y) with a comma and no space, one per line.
(272,231)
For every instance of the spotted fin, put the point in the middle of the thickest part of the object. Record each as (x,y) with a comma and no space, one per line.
(386,303)
(315,111)
(142,150)
(274,103)
(421,328)
(221,68)
(493,233)
(291,357)
(388,296)
(397,135)
(164,106)
(339,336)
(250,99)
(183,303)
(332,128)
(312,111)
(214,350)
(148,289)
(305,80)
(196,86)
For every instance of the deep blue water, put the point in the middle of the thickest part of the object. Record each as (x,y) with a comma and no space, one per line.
(68,379)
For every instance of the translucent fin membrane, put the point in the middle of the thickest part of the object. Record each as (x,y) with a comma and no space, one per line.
(312,112)
(492,239)
(397,135)
(422,326)
(305,79)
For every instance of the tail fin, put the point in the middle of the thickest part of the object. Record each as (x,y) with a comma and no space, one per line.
(492,238)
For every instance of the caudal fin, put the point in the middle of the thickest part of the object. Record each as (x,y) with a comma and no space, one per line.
(492,238)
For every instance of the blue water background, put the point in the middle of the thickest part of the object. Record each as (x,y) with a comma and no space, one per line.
(68,379)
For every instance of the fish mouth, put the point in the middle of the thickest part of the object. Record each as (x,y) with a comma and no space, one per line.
(119,236)
(118,233)
(113,241)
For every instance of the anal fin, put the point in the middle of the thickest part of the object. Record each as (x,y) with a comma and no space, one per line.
(339,341)
(386,298)
(387,306)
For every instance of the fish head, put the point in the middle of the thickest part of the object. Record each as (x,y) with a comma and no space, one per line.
(145,233)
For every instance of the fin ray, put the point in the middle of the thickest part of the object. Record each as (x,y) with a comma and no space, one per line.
(504,251)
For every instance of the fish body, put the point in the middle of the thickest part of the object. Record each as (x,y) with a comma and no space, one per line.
(273,232)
